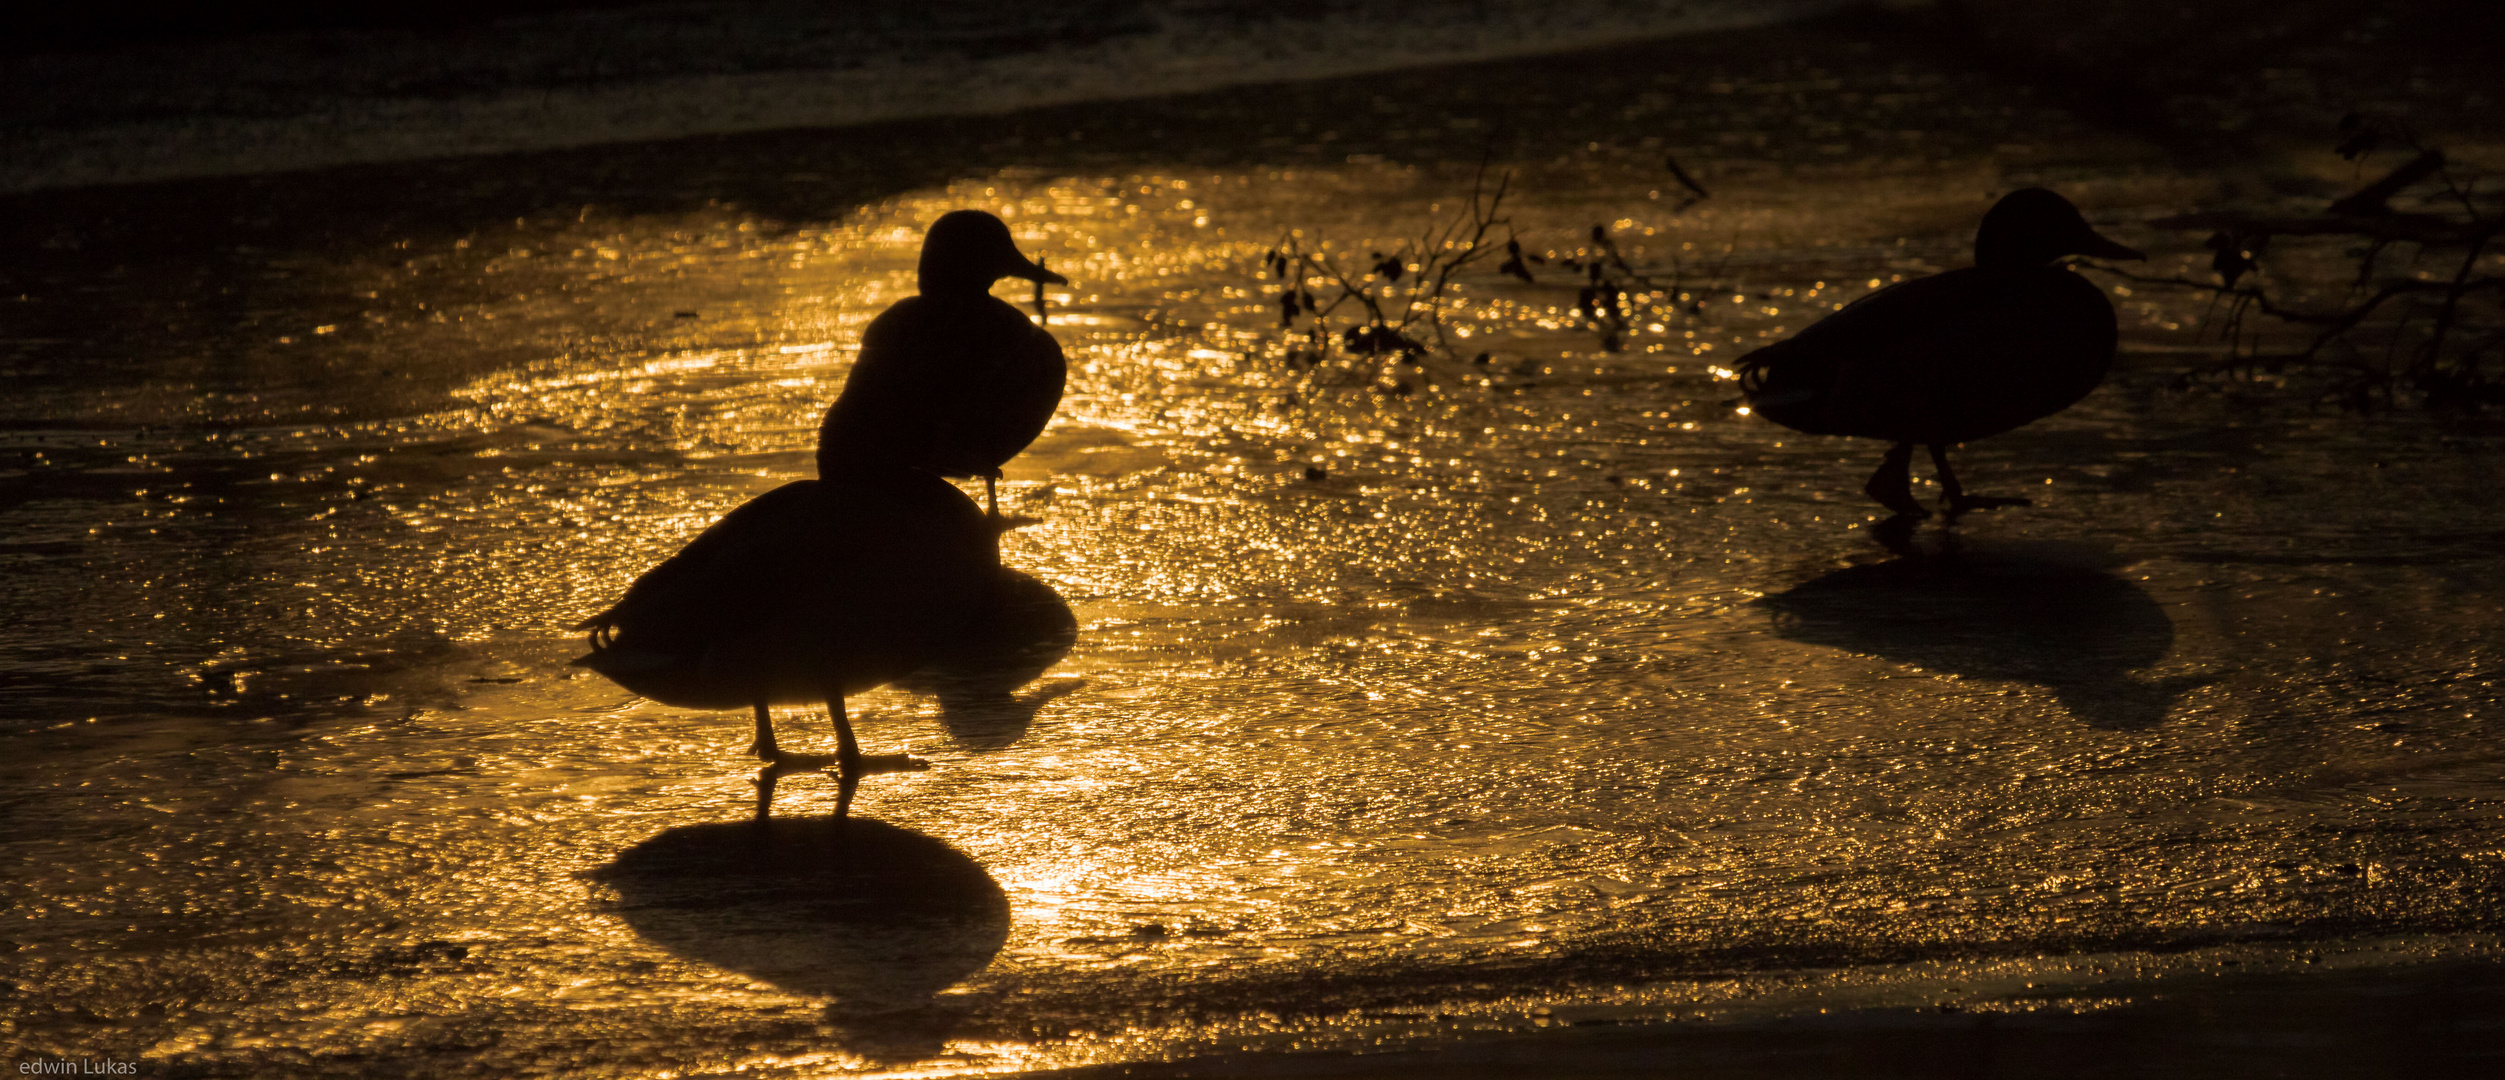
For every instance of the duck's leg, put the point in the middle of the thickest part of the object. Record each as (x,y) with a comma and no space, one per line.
(764,746)
(846,779)
(1892,485)
(991,502)
(1958,501)
(777,761)
(772,755)
(851,764)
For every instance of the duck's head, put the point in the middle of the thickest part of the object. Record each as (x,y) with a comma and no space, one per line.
(967,250)
(2032,226)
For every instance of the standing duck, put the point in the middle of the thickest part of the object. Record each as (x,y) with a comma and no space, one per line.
(1955,356)
(953,381)
(810,592)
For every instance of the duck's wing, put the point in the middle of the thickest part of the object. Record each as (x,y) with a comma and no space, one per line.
(1980,353)
(1798,381)
(951,386)
(846,580)
(689,592)
(1941,359)
(1024,373)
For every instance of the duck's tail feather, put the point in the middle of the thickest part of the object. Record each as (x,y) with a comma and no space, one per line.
(616,663)
(1753,374)
(1777,376)
(603,628)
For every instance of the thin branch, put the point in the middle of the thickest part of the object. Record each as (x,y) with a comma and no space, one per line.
(2429,229)
(2452,301)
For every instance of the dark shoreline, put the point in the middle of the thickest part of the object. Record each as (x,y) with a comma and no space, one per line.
(98,274)
(2421,1021)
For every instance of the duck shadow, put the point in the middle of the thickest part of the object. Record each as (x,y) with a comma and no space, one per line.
(2043,614)
(977,675)
(876,919)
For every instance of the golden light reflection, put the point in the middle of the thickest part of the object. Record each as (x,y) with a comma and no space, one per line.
(1534,688)
(1415,683)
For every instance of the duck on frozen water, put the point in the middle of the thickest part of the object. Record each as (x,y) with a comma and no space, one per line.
(825,588)
(812,592)
(1955,356)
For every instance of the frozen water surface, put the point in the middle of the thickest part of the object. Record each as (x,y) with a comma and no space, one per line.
(1567,694)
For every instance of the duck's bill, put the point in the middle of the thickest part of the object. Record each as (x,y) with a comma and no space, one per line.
(2099,247)
(1033,272)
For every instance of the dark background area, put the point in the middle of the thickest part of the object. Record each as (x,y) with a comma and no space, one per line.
(2116,33)
(58,26)
(2196,83)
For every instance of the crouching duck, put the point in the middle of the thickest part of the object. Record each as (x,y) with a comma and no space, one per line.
(811,592)
(1943,359)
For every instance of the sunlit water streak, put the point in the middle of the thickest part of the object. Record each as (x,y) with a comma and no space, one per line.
(1560,690)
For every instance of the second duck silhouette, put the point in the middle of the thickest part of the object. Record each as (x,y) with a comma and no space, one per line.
(1943,359)
(811,592)
(954,381)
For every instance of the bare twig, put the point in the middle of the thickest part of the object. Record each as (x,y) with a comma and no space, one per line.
(1406,296)
(2437,364)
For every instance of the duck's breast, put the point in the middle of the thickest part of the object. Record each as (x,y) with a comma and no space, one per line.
(956,386)
(1014,377)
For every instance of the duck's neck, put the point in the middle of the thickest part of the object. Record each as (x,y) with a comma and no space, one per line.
(2002,250)
(2009,260)
(949,278)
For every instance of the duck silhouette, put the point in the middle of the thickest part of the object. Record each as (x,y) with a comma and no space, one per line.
(1952,357)
(953,381)
(814,591)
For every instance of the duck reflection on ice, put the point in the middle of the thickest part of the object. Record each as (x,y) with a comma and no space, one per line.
(876,919)
(1024,631)
(2041,615)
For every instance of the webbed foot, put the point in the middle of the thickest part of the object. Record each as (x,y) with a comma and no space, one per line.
(873,764)
(1896,534)
(1898,497)
(788,762)
(1959,504)
(1892,485)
